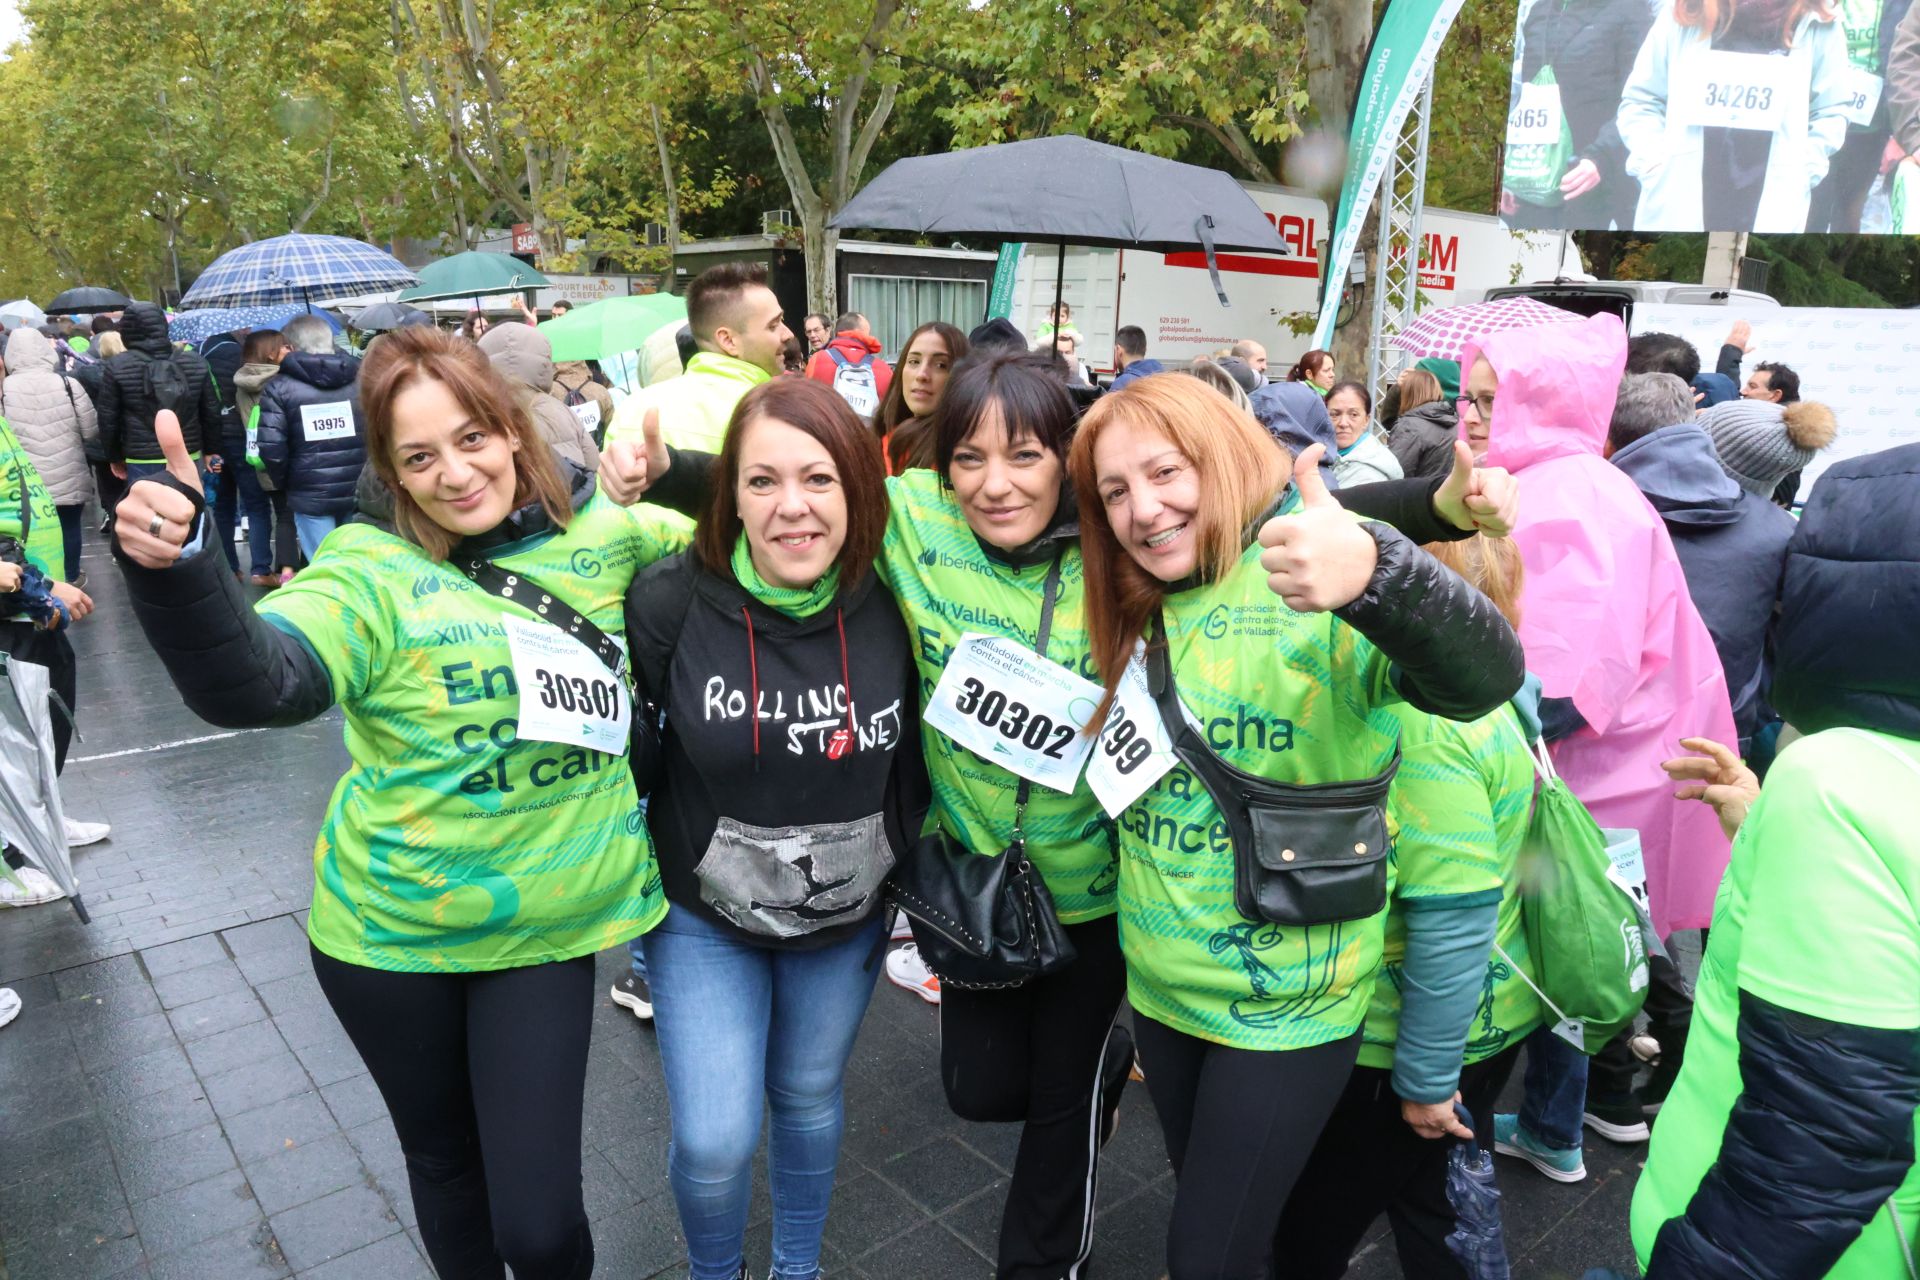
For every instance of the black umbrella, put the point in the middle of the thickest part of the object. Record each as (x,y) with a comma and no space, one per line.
(1066,190)
(382,316)
(88,298)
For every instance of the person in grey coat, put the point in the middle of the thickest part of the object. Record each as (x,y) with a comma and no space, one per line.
(54,421)
(1732,542)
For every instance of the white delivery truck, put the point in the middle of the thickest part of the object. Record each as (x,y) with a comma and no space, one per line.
(1171,297)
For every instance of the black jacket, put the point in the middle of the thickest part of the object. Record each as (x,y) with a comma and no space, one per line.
(1732,547)
(1591,45)
(224,355)
(781,807)
(127,409)
(1422,439)
(317,475)
(1850,605)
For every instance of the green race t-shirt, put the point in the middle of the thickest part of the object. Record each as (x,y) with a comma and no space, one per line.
(20,480)
(450,844)
(1295,697)
(947,586)
(1461,802)
(1816,914)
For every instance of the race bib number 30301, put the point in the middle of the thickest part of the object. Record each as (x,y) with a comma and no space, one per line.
(1025,713)
(566,694)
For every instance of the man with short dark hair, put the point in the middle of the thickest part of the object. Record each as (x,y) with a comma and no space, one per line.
(1664,353)
(1130,356)
(1772,381)
(739,332)
(560,307)
(852,366)
(818,331)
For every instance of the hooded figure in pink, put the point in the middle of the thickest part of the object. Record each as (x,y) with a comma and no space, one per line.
(1605,615)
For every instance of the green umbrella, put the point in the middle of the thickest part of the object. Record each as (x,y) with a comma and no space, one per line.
(602,329)
(472,275)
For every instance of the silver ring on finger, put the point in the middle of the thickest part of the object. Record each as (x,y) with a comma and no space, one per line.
(157,523)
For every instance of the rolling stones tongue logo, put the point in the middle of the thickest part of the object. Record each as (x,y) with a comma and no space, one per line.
(839,744)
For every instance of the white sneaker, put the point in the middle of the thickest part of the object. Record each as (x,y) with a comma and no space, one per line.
(86,833)
(35,887)
(902,928)
(906,969)
(9,1006)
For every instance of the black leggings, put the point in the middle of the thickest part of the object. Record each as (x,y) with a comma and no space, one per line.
(484,1074)
(1239,1124)
(1368,1162)
(1049,1056)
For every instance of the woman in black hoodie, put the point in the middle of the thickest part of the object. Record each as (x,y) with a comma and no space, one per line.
(792,780)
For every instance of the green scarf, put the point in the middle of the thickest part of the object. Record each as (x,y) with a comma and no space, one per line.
(792,601)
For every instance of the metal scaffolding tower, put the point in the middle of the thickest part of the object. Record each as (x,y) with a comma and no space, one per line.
(1396,274)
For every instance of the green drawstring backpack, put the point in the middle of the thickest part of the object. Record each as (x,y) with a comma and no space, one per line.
(1586,928)
(1535,167)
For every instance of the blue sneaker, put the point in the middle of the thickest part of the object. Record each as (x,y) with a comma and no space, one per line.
(1509,1139)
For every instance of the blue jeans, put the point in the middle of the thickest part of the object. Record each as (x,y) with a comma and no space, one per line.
(312,529)
(738,1023)
(240,488)
(1556,1091)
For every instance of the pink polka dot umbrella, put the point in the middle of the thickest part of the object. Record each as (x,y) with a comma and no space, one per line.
(1446,332)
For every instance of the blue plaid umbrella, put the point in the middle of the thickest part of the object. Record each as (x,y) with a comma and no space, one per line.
(292,268)
(197,326)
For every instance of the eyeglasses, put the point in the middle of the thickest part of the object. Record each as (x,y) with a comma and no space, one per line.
(1481,405)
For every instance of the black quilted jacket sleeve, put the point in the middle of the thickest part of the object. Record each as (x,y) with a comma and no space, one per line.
(688,481)
(1455,654)
(1818,1140)
(232,668)
(1407,505)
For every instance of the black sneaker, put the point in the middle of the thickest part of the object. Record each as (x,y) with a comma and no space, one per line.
(1617,1119)
(632,993)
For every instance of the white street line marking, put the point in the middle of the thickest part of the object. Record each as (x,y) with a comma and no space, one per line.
(163,746)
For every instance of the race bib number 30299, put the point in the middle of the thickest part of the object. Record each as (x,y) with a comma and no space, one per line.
(1134,751)
(567,695)
(332,421)
(1025,713)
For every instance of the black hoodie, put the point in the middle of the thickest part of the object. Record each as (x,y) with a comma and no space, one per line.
(126,406)
(783,803)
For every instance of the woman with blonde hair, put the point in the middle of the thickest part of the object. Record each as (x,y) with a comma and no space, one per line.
(1253,848)
(1452,1003)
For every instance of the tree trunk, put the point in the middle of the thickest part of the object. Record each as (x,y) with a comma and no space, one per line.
(1337,34)
(1350,339)
(820,245)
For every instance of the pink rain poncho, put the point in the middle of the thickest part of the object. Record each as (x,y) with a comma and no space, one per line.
(1605,615)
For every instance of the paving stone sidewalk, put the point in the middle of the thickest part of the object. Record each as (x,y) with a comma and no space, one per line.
(177,1100)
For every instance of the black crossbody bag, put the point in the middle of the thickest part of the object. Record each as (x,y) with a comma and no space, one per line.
(1303,853)
(644,750)
(984,922)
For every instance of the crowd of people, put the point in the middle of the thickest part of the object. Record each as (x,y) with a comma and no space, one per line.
(1184,731)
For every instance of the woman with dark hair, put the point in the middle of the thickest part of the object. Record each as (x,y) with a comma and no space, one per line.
(1248,980)
(475,326)
(1422,434)
(487,839)
(904,420)
(1363,458)
(1315,368)
(792,782)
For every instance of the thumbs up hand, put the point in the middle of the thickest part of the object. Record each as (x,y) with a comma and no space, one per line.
(1318,558)
(1478,499)
(627,469)
(156,517)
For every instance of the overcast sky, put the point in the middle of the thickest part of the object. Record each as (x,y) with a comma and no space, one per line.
(9,22)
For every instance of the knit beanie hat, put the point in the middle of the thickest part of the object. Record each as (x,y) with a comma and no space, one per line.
(1759,442)
(1448,374)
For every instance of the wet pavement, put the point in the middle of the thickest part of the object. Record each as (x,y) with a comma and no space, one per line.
(177,1100)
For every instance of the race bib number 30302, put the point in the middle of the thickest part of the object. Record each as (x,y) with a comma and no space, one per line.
(566,694)
(1025,713)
